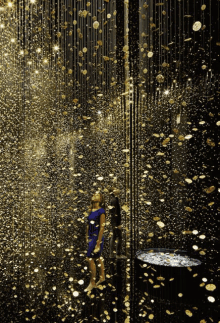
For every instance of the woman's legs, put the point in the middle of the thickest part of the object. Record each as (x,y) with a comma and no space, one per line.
(92,269)
(101,270)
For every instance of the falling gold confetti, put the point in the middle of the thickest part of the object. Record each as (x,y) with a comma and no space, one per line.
(210,189)
(211,299)
(160,224)
(197,26)
(210,287)
(189,313)
(160,78)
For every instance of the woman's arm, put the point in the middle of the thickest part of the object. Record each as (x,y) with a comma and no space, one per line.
(102,228)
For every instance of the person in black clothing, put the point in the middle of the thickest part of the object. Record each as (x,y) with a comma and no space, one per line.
(115,213)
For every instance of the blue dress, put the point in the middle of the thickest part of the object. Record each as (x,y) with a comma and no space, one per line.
(94,228)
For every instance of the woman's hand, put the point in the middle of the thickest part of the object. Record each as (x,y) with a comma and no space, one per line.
(97,247)
(87,240)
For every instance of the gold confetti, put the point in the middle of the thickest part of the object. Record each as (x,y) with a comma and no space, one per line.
(160,278)
(210,287)
(189,313)
(210,142)
(160,224)
(181,137)
(197,26)
(160,78)
(209,189)
(187,208)
(166,141)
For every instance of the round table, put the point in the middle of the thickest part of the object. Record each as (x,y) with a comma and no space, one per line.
(169,274)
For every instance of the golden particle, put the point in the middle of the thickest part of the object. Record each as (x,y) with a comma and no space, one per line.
(189,313)
(188,180)
(160,224)
(166,141)
(160,78)
(210,142)
(209,189)
(210,287)
(96,25)
(181,138)
(197,26)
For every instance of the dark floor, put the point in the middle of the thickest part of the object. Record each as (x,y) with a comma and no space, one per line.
(110,303)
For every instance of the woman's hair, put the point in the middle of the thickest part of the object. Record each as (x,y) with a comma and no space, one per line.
(101,203)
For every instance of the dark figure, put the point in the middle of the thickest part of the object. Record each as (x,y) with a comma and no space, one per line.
(115,214)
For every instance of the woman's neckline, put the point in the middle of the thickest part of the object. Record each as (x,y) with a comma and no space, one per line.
(96,209)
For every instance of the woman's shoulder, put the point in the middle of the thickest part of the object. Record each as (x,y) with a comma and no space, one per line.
(102,210)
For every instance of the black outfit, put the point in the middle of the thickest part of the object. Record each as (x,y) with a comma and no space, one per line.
(115,214)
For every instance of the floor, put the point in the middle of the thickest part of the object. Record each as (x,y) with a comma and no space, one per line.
(62,299)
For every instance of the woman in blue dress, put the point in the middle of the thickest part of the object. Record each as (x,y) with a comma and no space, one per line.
(95,239)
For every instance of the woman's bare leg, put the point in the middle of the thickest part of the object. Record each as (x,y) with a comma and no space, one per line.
(92,269)
(101,269)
